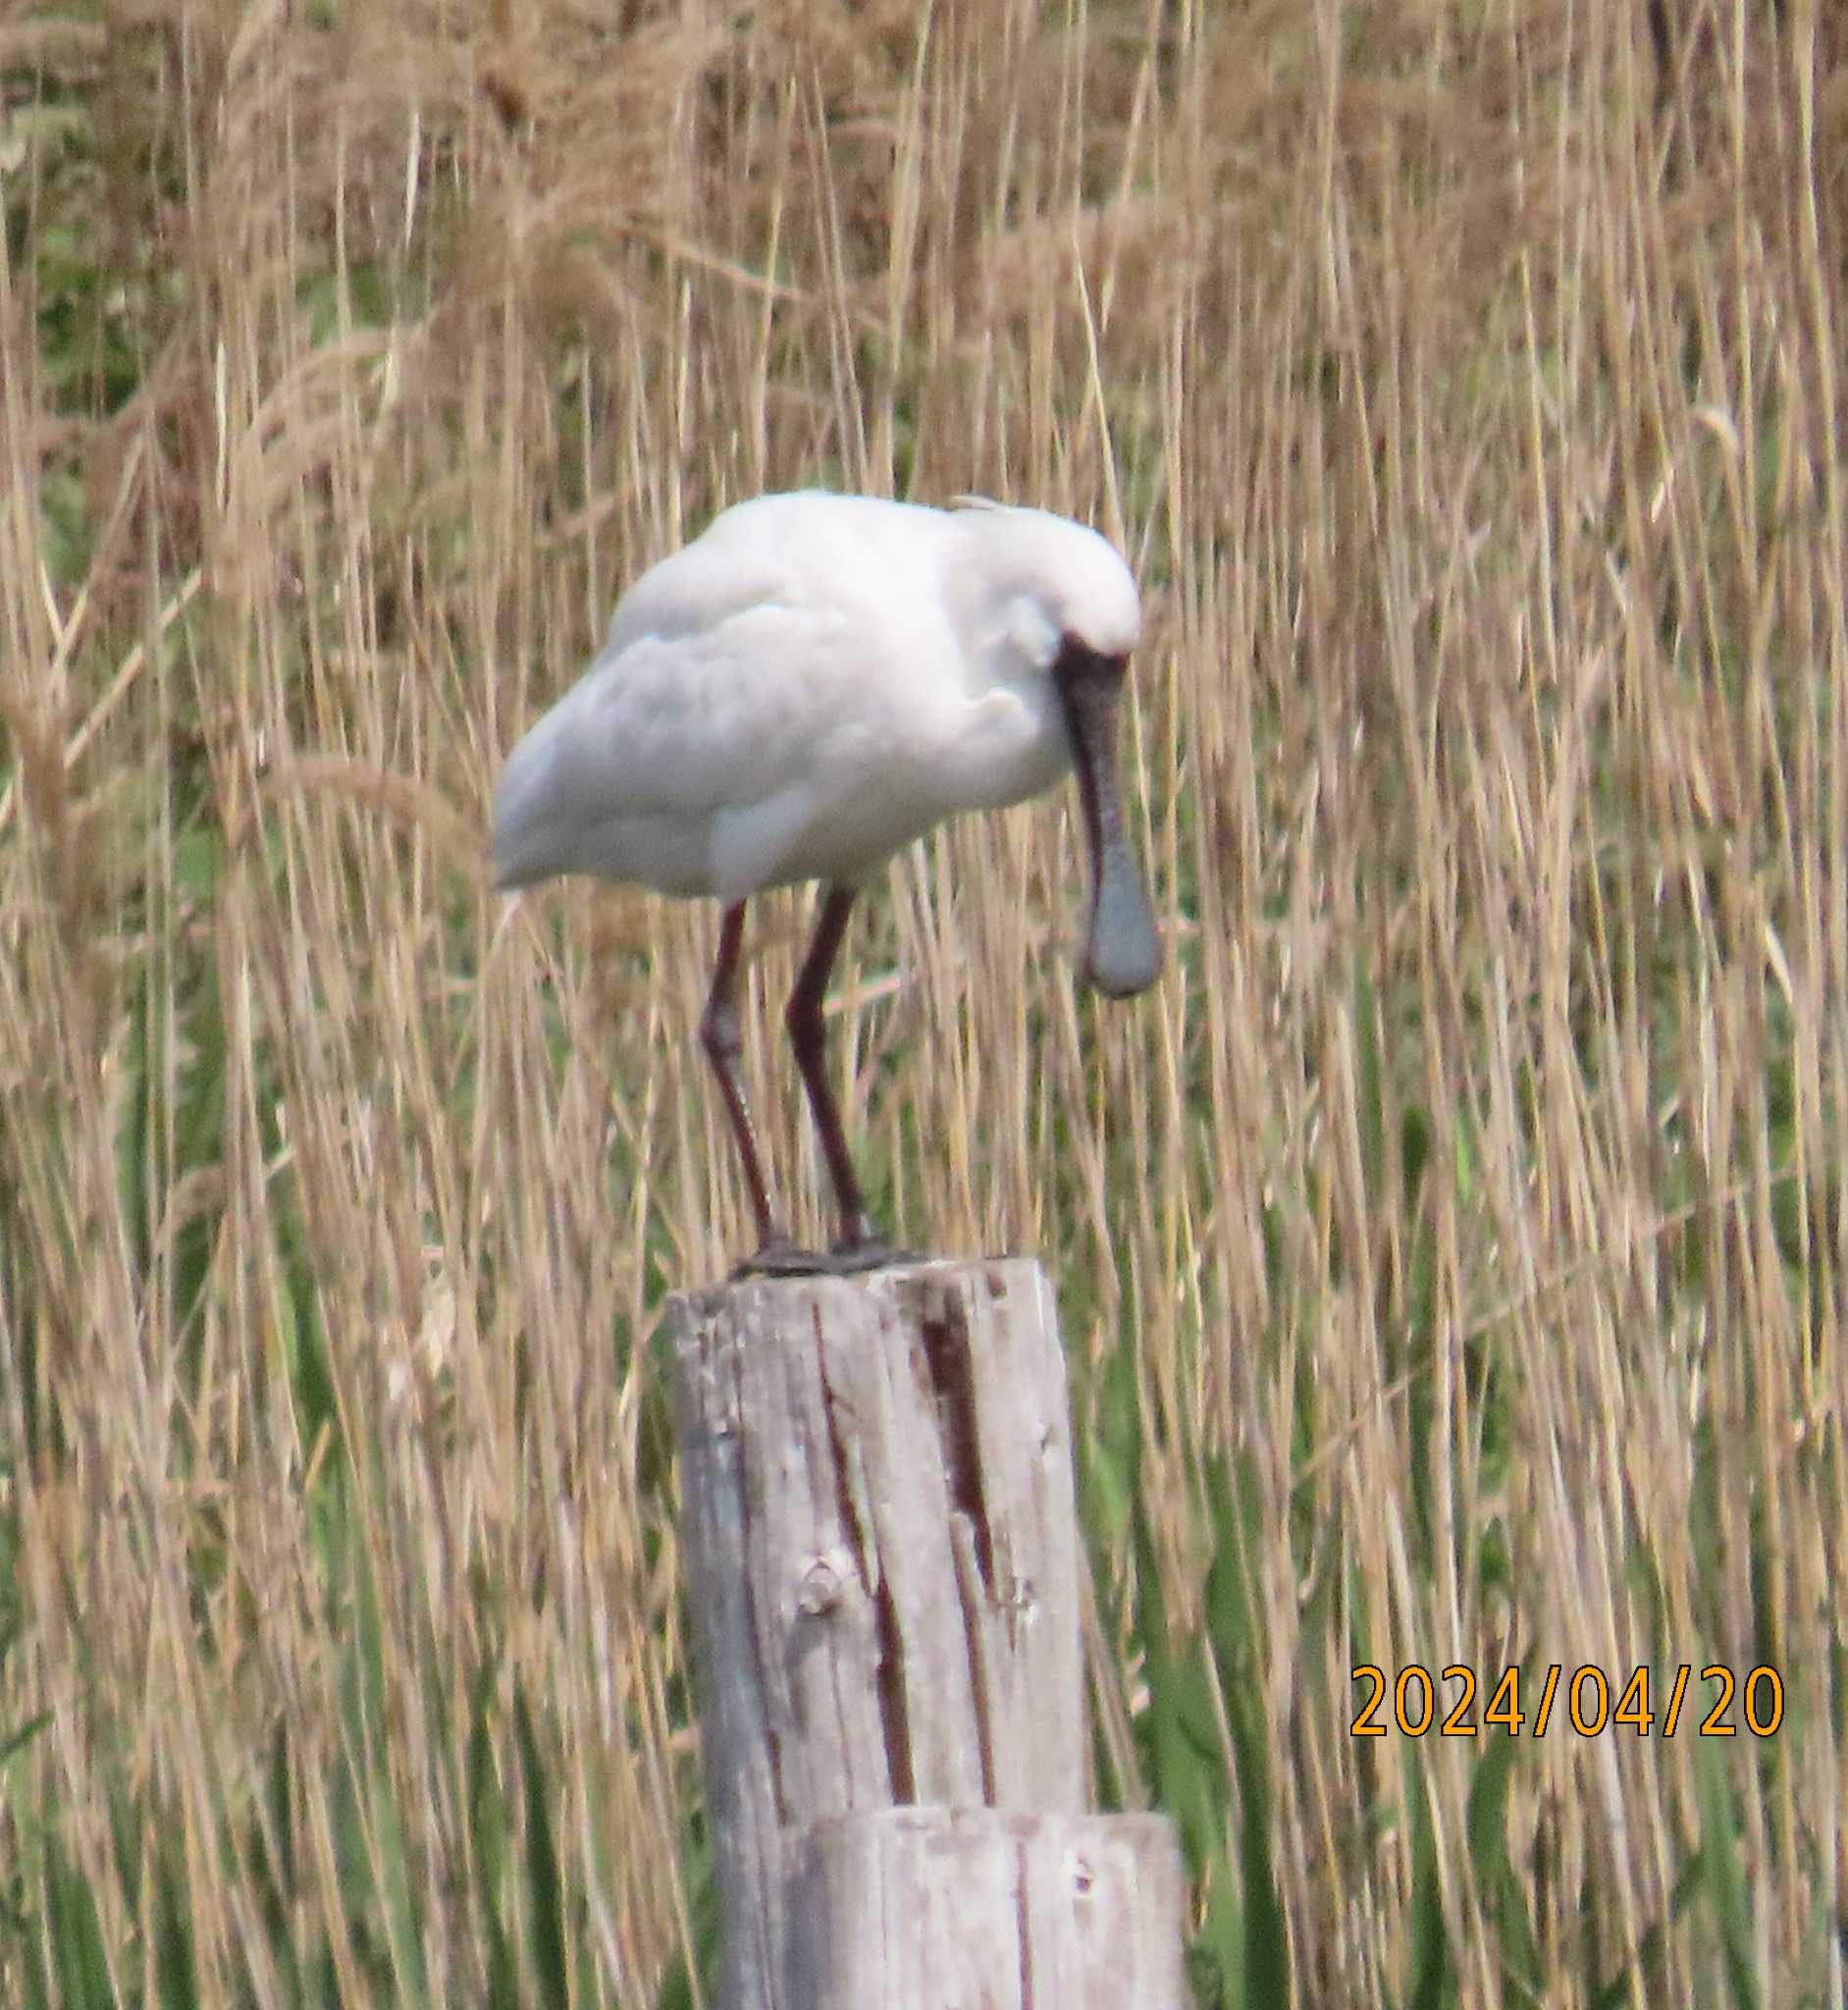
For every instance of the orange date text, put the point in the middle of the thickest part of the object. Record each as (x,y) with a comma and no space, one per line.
(1458,1702)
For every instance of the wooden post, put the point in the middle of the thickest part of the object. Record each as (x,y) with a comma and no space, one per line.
(882,1569)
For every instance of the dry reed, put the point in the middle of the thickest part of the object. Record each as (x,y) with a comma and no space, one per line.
(1452,1249)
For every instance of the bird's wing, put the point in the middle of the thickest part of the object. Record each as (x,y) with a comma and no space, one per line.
(708,720)
(676,723)
(781,655)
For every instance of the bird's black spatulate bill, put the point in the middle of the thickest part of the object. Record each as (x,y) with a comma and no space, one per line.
(1123,955)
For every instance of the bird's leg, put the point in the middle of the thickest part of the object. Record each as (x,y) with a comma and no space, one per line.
(723,1044)
(860,1247)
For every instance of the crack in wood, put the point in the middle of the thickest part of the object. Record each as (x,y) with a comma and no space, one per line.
(945,1335)
(973,1605)
(761,1689)
(860,1540)
(893,1714)
(862,1543)
(1024,1908)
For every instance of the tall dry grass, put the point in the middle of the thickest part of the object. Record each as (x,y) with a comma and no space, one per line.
(1451,1250)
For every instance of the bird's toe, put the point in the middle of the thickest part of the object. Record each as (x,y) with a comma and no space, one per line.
(872,1252)
(782,1256)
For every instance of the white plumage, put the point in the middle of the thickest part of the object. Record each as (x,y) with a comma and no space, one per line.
(801,692)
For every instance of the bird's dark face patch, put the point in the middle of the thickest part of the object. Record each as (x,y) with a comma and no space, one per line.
(1124,952)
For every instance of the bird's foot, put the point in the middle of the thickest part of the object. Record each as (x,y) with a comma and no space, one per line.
(781,1256)
(872,1252)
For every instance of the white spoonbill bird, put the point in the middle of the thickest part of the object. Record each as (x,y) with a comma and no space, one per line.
(798,693)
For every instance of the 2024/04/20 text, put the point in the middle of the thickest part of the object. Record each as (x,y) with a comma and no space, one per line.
(1588,1696)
